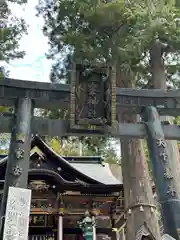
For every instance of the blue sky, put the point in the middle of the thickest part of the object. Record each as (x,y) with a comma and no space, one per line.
(34,66)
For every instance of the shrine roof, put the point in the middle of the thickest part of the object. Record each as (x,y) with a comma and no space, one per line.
(98,172)
(88,166)
(88,170)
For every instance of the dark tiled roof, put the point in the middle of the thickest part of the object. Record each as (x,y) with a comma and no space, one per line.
(86,168)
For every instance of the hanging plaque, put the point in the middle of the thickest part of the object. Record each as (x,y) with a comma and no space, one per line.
(93,98)
(17,214)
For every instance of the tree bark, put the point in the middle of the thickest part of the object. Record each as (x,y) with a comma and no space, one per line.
(159,82)
(139,201)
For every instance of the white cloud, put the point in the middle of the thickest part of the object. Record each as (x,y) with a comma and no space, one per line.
(34,66)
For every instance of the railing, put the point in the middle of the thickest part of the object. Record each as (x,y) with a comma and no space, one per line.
(43,237)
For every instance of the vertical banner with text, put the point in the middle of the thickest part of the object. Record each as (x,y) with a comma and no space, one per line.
(17,214)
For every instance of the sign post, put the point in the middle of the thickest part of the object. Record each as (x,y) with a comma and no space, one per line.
(17,214)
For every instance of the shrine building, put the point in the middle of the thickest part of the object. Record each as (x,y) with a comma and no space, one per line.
(64,188)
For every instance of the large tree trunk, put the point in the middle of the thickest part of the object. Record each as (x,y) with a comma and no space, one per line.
(139,201)
(159,82)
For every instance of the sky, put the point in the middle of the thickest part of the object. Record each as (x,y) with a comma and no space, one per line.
(34,66)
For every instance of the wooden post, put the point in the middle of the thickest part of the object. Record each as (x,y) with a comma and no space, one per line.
(19,152)
(164,173)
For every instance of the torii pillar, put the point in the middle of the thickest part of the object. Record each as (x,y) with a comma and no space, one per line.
(164,173)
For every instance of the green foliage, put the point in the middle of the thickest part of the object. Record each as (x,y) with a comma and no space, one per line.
(11,31)
(74,146)
(109,30)
(177,122)
(90,29)
(4,137)
(65,147)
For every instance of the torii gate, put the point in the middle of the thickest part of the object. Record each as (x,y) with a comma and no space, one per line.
(94,103)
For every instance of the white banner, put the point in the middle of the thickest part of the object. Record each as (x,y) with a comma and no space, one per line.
(17,214)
